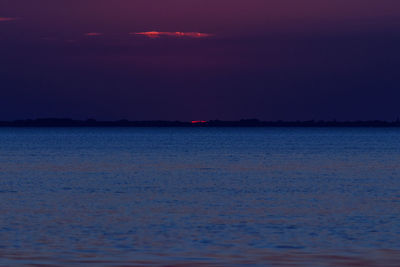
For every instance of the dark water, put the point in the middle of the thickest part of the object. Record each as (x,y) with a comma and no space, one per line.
(200,197)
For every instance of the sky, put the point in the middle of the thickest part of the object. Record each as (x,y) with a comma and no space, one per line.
(200,59)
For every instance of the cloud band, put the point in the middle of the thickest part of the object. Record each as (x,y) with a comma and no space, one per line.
(156,34)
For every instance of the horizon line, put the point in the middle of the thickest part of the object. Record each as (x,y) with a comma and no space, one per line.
(68,122)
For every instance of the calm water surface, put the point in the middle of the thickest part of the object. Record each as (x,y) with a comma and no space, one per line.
(199,197)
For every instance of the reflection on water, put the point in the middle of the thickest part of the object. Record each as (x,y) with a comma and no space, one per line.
(205,197)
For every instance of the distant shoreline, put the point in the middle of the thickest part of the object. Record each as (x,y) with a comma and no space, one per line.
(213,123)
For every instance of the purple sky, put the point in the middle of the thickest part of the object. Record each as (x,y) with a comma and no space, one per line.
(202,60)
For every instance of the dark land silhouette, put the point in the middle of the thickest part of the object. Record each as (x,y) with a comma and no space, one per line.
(55,122)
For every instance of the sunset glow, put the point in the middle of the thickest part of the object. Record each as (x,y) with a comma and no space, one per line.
(195,122)
(156,34)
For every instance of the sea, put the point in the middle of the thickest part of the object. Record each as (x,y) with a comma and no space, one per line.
(199,196)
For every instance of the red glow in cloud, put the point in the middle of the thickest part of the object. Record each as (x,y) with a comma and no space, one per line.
(7,19)
(93,34)
(155,34)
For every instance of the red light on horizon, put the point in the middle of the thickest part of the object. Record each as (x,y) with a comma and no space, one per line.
(199,122)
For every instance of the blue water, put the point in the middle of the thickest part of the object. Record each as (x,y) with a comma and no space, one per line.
(199,197)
